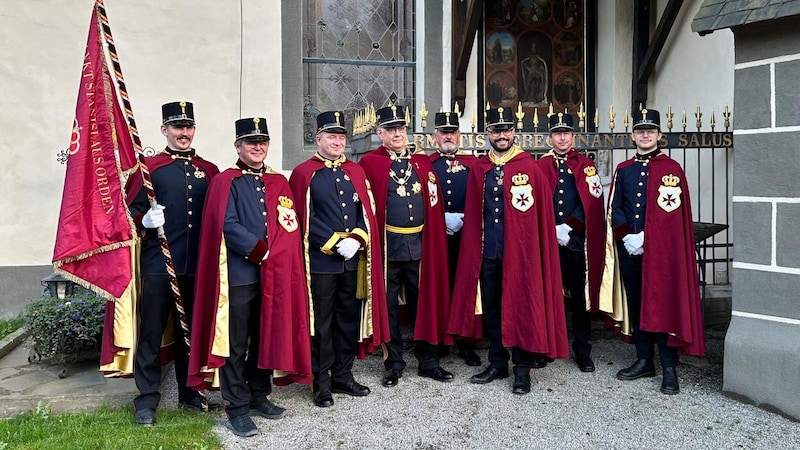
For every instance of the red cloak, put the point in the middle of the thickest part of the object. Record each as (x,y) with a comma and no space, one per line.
(670,284)
(590,191)
(300,181)
(284,329)
(532,316)
(433,307)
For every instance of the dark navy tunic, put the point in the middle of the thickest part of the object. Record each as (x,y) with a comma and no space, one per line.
(334,207)
(404,211)
(567,203)
(181,188)
(452,175)
(493,214)
(630,195)
(245,224)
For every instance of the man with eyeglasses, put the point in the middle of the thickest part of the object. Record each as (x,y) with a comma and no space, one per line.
(660,302)
(580,229)
(453,171)
(412,230)
(252,301)
(509,281)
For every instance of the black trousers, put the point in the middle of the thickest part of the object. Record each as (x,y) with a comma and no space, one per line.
(405,273)
(337,315)
(243,383)
(491,301)
(631,269)
(453,248)
(156,304)
(573,268)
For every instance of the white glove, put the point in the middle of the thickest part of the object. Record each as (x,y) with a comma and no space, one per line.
(634,243)
(562,234)
(154,217)
(348,247)
(454,222)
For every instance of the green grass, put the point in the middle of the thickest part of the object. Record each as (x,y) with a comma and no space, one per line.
(8,326)
(107,429)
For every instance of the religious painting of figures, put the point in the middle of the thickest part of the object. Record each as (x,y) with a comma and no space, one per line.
(534,54)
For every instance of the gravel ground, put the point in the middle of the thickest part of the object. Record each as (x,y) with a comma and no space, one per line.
(565,409)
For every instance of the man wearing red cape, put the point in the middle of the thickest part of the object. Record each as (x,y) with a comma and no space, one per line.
(508,277)
(180,180)
(251,304)
(660,303)
(342,261)
(412,237)
(580,229)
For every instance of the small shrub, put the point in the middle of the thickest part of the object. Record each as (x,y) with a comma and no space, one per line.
(63,329)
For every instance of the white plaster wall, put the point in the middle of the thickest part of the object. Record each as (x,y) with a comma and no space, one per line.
(182,49)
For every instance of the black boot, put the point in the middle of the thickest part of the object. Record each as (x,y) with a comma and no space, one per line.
(641,368)
(669,384)
(522,380)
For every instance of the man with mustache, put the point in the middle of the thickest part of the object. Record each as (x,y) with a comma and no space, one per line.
(508,280)
(251,318)
(412,230)
(580,229)
(660,304)
(453,170)
(180,179)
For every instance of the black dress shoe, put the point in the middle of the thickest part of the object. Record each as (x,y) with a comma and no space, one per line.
(323,398)
(470,357)
(541,362)
(146,417)
(585,363)
(437,373)
(522,380)
(669,384)
(489,375)
(391,377)
(350,388)
(268,410)
(199,404)
(641,368)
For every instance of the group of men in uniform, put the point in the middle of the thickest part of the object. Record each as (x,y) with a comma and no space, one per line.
(298,278)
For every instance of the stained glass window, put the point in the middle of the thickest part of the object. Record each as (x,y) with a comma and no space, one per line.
(356,52)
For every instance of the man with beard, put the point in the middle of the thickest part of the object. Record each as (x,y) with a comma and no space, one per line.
(411,225)
(453,170)
(180,179)
(342,256)
(508,279)
(580,229)
(649,197)
(251,319)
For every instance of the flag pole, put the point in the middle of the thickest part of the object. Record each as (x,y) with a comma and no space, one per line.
(146,180)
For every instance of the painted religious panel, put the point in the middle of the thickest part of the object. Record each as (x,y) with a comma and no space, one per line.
(534,54)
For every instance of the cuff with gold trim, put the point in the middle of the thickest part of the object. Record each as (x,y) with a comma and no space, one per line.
(361,236)
(330,244)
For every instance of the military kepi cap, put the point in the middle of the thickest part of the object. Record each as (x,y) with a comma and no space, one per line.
(252,129)
(177,113)
(391,117)
(499,119)
(332,122)
(646,118)
(560,122)
(446,121)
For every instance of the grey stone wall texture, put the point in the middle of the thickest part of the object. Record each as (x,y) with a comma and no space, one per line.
(762,346)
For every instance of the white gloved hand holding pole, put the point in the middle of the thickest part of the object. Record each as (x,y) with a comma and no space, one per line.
(348,247)
(154,217)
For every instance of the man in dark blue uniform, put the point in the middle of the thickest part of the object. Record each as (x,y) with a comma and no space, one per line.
(180,180)
(453,170)
(337,220)
(578,206)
